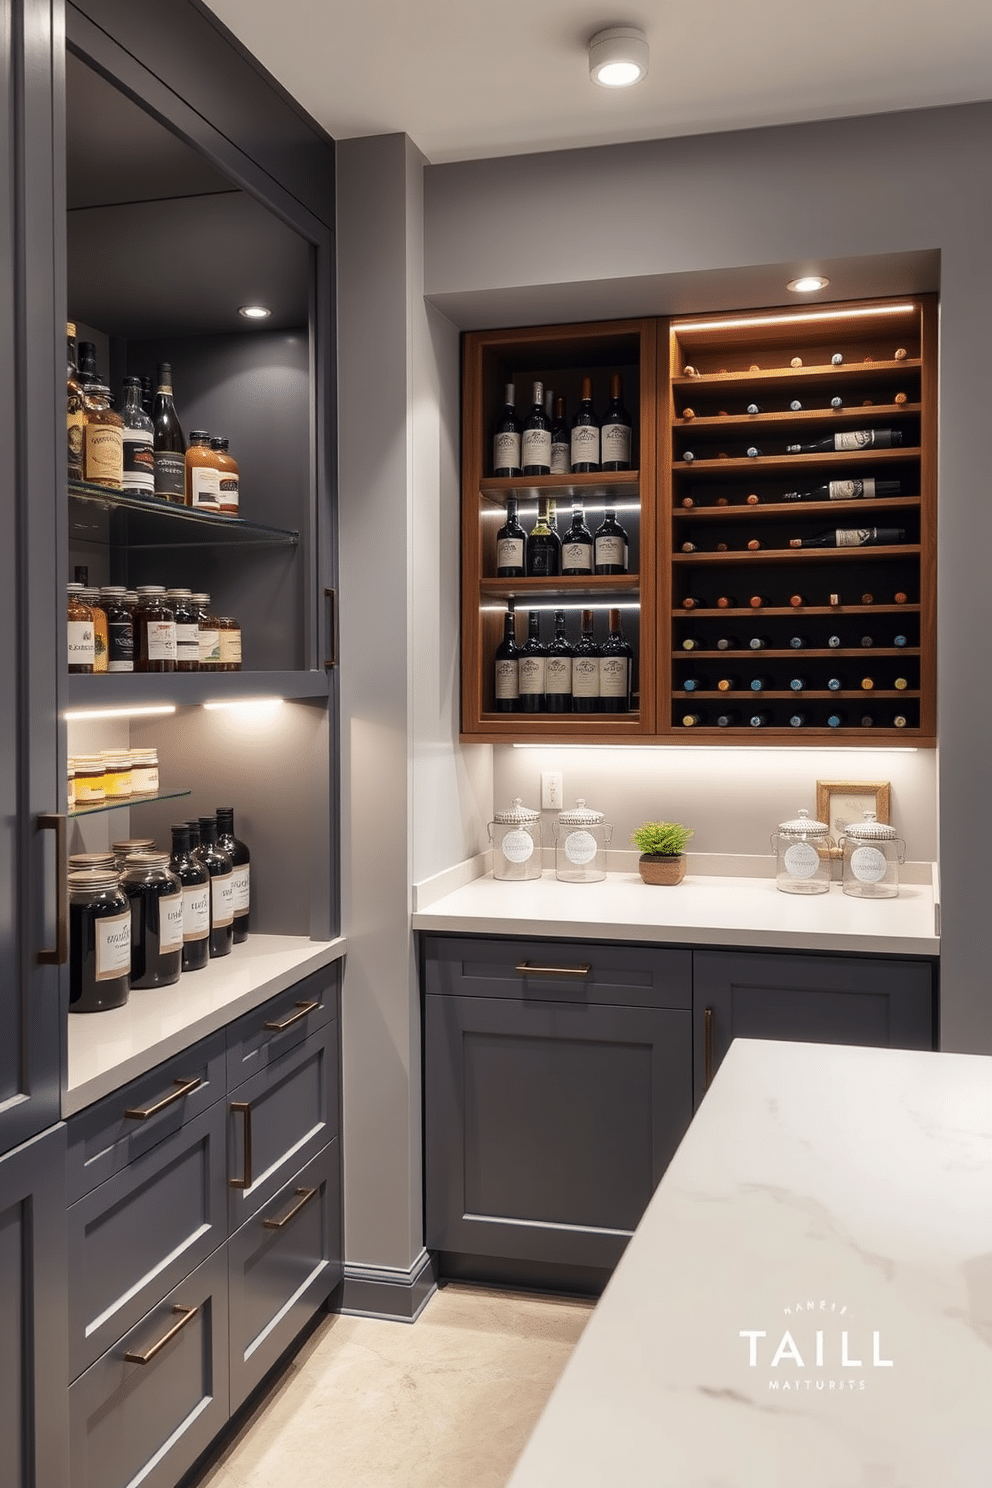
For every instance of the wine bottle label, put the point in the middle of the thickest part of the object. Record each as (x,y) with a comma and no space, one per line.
(558,675)
(506,451)
(241,888)
(615,442)
(585,445)
(577,556)
(531,675)
(847,490)
(507,679)
(161,640)
(187,641)
(510,552)
(611,550)
(854,537)
(230,647)
(222,900)
(613,676)
(196,912)
(113,946)
(139,462)
(204,488)
(585,676)
(580,847)
(517,846)
(170,923)
(170,475)
(81,646)
(868,864)
(535,447)
(103,452)
(542,560)
(801,860)
(560,457)
(858,439)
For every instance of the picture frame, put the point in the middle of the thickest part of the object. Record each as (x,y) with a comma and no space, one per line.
(839,802)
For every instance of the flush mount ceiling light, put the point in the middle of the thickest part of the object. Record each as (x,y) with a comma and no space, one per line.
(618,56)
(807,283)
(254,312)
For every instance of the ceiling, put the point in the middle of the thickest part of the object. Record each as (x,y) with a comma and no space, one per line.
(476,78)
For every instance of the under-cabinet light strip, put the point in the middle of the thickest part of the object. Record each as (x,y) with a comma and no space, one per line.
(246,702)
(521,602)
(797,319)
(858,749)
(74,714)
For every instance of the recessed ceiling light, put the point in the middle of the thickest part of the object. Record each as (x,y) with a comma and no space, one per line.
(618,56)
(807,283)
(254,312)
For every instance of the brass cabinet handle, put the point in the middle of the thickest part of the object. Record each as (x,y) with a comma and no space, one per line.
(188,1314)
(244,1109)
(708,1047)
(183,1087)
(302,1009)
(529,968)
(54,821)
(332,596)
(304,1197)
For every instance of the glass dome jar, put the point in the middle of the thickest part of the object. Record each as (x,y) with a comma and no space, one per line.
(872,854)
(515,835)
(802,849)
(581,840)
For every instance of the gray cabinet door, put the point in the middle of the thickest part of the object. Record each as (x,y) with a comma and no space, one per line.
(807,998)
(34,1428)
(548,1125)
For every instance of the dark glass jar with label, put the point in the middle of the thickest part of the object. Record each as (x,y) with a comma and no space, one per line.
(195,881)
(240,857)
(120,629)
(187,618)
(155,631)
(128,845)
(228,644)
(156,899)
(99,941)
(221,870)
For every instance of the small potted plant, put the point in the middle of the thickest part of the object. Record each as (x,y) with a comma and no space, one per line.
(662,846)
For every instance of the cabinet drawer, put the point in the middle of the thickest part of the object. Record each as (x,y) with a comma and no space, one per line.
(257,1039)
(278,1120)
(147,1423)
(142,1231)
(576,971)
(103,1139)
(282,1265)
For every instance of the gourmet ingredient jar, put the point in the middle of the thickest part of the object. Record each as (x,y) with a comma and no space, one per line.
(99,941)
(872,854)
(516,838)
(802,849)
(581,840)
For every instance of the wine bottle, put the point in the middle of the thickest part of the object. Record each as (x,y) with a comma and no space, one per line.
(728,684)
(899,640)
(900,684)
(867,683)
(507,669)
(900,721)
(511,542)
(836,720)
(760,720)
(833,642)
(835,684)
(851,537)
(535,438)
(616,669)
(196,899)
(797,720)
(577,546)
(169,442)
(616,435)
(691,720)
(506,437)
(727,720)
(867,641)
(561,442)
(543,553)
(533,656)
(758,643)
(867,720)
(798,684)
(584,445)
(798,642)
(754,408)
(147,396)
(726,602)
(585,669)
(558,669)
(693,643)
(611,549)
(139,443)
(847,490)
(761,684)
(853,439)
(694,684)
(757,601)
(221,871)
(239,855)
(695,602)
(726,643)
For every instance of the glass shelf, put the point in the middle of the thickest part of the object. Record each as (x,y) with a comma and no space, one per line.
(112,518)
(118,802)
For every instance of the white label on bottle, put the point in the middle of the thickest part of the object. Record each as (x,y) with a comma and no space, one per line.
(196,912)
(230,646)
(506,451)
(187,641)
(558,675)
(535,447)
(585,676)
(170,923)
(241,889)
(531,675)
(856,439)
(853,537)
(510,552)
(139,461)
(585,445)
(615,439)
(580,847)
(613,676)
(507,679)
(868,864)
(847,490)
(222,899)
(577,555)
(209,645)
(81,648)
(560,459)
(161,640)
(611,549)
(113,946)
(517,846)
(229,494)
(204,487)
(801,860)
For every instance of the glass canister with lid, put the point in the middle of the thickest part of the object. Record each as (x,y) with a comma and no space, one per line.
(802,848)
(872,854)
(156,899)
(516,838)
(99,941)
(581,839)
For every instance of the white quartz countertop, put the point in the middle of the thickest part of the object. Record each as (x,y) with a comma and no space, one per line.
(808,1297)
(699,910)
(107,1049)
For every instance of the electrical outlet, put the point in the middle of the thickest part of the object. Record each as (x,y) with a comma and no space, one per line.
(551,793)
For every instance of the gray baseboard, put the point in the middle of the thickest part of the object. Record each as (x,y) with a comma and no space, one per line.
(383,1292)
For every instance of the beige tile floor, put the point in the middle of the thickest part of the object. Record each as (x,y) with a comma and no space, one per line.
(447,1402)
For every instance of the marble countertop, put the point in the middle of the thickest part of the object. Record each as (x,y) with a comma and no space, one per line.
(107,1049)
(701,910)
(808,1297)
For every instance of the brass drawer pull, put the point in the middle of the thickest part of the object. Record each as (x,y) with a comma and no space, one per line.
(183,1087)
(708,1047)
(54,821)
(304,1197)
(243,1108)
(529,968)
(302,1009)
(188,1314)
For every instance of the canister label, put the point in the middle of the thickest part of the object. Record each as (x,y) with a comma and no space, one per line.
(170,923)
(580,847)
(801,860)
(517,846)
(113,946)
(868,864)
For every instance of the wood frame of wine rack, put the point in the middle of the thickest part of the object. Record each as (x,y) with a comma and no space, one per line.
(736,359)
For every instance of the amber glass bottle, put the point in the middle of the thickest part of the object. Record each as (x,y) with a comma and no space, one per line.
(74,408)
(202,473)
(79,617)
(227,465)
(103,439)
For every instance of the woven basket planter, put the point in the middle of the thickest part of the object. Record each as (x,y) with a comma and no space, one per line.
(655,868)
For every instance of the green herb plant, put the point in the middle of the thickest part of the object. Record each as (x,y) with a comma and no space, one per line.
(661,839)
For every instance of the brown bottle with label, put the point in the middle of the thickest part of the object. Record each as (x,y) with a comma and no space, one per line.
(154,631)
(202,474)
(229,644)
(75,417)
(79,618)
(103,439)
(227,465)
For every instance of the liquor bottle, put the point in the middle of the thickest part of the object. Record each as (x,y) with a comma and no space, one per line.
(726,643)
(239,855)
(74,416)
(139,441)
(532,658)
(728,684)
(558,669)
(758,643)
(853,439)
(616,669)
(506,437)
(616,435)
(561,441)
(196,899)
(691,720)
(535,439)
(543,552)
(169,442)
(611,550)
(507,669)
(585,449)
(86,362)
(761,684)
(577,546)
(851,537)
(147,396)
(221,871)
(846,490)
(585,669)
(511,541)
(553,516)
(727,720)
